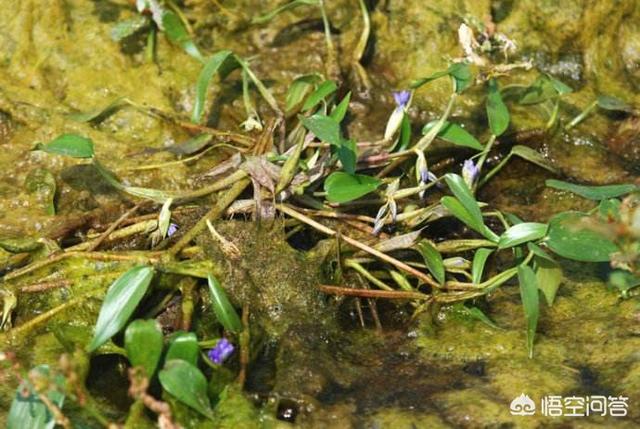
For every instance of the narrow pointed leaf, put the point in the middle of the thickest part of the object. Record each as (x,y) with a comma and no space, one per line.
(177,34)
(521,233)
(211,67)
(71,145)
(299,89)
(455,134)
(325,89)
(143,342)
(127,27)
(121,300)
(432,259)
(593,192)
(339,112)
(479,261)
(530,302)
(262,19)
(549,277)
(222,307)
(497,111)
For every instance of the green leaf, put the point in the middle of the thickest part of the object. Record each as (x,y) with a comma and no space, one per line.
(27,409)
(323,127)
(187,384)
(98,115)
(20,244)
(348,156)
(127,27)
(299,88)
(432,259)
(521,233)
(455,134)
(471,206)
(544,88)
(222,307)
(325,89)
(461,74)
(42,183)
(211,67)
(121,300)
(614,104)
(340,111)
(405,133)
(570,238)
(479,261)
(177,34)
(549,277)
(419,82)
(593,192)
(497,111)
(537,251)
(262,19)
(143,342)
(342,187)
(530,302)
(609,209)
(71,145)
(183,345)
(533,156)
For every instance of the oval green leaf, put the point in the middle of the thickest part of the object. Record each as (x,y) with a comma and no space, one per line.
(342,187)
(521,233)
(121,300)
(183,345)
(222,307)
(71,145)
(569,239)
(143,343)
(187,384)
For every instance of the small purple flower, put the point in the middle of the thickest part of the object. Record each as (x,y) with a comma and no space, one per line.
(402,98)
(426,176)
(470,172)
(221,351)
(173,228)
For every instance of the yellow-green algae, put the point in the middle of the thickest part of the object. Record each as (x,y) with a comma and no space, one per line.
(58,58)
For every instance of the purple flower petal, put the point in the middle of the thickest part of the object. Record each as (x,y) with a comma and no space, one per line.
(173,228)
(402,98)
(221,351)
(470,172)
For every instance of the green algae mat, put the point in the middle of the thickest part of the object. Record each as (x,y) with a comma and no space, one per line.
(319,214)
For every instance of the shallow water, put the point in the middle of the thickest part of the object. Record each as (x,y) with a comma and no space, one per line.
(442,370)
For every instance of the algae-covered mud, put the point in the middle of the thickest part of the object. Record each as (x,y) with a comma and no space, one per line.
(319,213)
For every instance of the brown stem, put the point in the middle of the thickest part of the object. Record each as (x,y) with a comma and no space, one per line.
(372,293)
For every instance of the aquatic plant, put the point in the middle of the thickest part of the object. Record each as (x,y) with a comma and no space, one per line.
(305,167)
